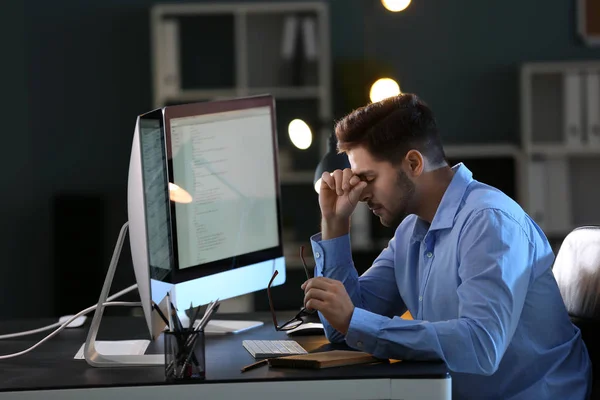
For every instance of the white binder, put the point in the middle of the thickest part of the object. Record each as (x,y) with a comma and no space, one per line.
(169,60)
(592,86)
(558,196)
(573,121)
(537,192)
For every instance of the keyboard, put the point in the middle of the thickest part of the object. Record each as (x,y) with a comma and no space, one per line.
(273,348)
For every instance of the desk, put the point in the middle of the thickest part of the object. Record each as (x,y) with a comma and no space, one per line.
(49,372)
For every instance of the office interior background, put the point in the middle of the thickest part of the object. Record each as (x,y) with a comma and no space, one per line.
(502,77)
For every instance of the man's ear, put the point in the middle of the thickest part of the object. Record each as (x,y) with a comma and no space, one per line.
(415,163)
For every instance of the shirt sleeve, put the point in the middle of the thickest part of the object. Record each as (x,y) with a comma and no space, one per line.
(375,290)
(495,258)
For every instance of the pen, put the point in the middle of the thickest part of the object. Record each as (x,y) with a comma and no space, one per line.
(169,312)
(160,313)
(255,365)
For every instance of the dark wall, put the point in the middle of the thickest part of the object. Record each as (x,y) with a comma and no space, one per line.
(462,57)
(19,201)
(76,73)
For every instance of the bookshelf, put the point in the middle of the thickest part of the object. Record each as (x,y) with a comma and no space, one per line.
(273,48)
(560,137)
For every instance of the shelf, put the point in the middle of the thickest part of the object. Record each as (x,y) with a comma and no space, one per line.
(558,150)
(554,67)
(301,92)
(193,95)
(283,93)
(482,150)
(289,46)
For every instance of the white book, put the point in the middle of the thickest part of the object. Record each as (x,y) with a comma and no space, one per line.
(309,30)
(558,201)
(169,59)
(537,192)
(573,121)
(288,40)
(592,87)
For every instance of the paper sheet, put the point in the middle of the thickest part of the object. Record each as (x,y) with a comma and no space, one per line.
(117,347)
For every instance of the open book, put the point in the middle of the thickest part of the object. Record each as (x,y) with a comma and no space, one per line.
(325,359)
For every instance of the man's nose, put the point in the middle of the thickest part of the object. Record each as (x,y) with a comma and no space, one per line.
(365,195)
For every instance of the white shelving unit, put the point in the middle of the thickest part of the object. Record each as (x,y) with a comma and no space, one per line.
(217,51)
(560,133)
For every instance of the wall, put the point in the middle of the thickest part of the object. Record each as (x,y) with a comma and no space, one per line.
(79,72)
(463,57)
(18,199)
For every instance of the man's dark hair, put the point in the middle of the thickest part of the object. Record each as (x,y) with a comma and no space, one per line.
(390,128)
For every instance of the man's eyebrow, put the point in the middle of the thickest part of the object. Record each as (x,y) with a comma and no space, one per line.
(365,174)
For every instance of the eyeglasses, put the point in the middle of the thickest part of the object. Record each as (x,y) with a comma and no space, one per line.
(297,320)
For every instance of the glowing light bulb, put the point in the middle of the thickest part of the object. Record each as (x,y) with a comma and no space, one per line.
(178,194)
(395,5)
(384,88)
(300,134)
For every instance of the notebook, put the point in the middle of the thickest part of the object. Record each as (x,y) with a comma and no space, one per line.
(325,359)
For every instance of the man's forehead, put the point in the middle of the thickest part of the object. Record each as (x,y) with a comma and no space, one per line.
(360,162)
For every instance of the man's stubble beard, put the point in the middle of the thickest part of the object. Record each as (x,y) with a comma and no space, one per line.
(407,188)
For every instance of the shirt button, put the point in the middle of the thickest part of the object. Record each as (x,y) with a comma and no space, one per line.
(359,344)
(317,254)
(429,254)
(420,298)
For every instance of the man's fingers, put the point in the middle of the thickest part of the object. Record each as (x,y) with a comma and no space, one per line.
(355,193)
(314,304)
(354,180)
(346,176)
(314,293)
(328,180)
(319,282)
(338,177)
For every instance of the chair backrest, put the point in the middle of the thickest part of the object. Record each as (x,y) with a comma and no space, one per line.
(577,272)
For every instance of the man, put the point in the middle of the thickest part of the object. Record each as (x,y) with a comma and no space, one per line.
(467,262)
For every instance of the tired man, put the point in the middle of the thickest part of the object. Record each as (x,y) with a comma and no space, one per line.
(469,264)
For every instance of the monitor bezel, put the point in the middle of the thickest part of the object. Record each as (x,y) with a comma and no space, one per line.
(211,107)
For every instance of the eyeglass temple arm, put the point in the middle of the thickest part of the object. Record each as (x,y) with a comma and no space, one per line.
(304,262)
(271,301)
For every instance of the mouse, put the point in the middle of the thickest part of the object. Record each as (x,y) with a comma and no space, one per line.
(309,328)
(76,323)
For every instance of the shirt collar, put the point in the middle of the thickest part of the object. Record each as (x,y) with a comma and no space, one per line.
(444,216)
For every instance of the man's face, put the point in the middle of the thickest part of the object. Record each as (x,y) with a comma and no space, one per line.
(390,194)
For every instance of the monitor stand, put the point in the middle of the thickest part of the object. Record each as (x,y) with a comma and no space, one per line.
(91,354)
(97,359)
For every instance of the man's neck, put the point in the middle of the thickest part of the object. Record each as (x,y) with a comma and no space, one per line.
(432,191)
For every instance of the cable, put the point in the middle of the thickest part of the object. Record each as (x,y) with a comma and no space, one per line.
(57,331)
(57,324)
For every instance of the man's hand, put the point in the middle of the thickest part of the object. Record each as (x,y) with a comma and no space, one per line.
(330,298)
(339,194)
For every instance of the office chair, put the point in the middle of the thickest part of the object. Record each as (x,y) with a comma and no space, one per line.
(577,272)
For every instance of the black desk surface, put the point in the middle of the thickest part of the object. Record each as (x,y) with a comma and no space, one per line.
(51,366)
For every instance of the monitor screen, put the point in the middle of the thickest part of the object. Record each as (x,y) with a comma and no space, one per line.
(209,200)
(225,162)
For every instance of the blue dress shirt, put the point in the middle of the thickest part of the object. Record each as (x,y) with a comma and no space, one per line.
(479,284)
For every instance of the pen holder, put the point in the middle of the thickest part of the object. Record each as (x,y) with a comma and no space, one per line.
(184,355)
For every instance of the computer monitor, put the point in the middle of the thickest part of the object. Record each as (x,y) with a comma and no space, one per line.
(204,204)
(204,213)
